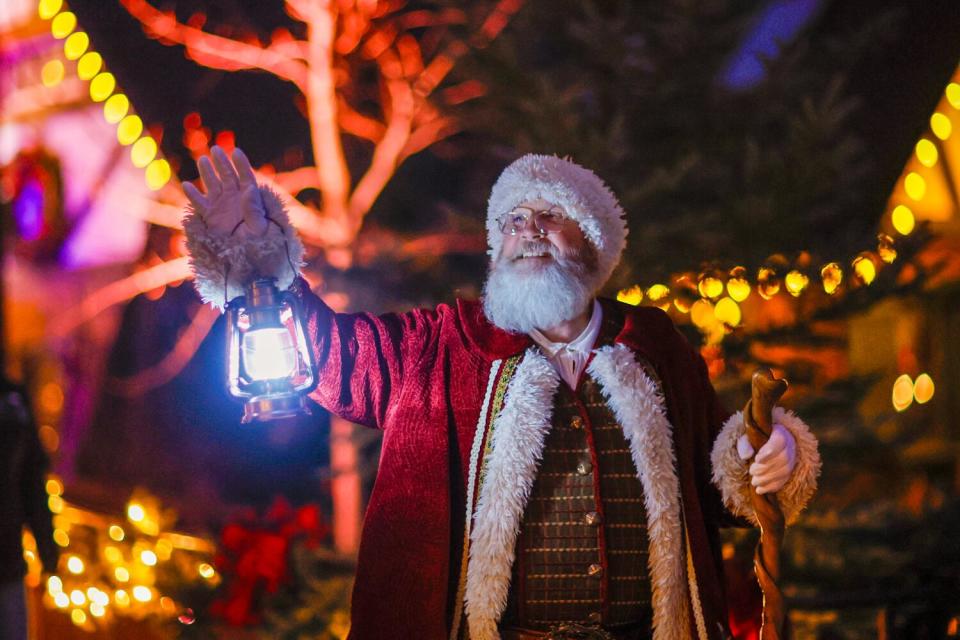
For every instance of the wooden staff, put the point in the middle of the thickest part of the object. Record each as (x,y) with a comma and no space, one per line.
(757,416)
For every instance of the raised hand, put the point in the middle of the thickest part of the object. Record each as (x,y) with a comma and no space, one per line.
(232,203)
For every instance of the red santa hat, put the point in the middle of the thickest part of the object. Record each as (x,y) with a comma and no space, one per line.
(582,194)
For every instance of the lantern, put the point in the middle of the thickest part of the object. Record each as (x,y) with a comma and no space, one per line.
(270,365)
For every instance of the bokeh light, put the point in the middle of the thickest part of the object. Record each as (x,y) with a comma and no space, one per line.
(902,396)
(923,388)
(63,24)
(89,65)
(129,129)
(941,126)
(51,74)
(115,108)
(76,45)
(102,86)
(728,312)
(903,219)
(49,8)
(143,151)
(926,152)
(915,186)
(157,174)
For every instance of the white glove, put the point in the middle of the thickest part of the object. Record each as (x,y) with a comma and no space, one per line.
(774,462)
(232,204)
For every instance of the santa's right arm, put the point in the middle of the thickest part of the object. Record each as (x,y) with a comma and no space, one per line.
(238,231)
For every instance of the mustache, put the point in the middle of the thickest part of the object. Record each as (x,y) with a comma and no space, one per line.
(537,246)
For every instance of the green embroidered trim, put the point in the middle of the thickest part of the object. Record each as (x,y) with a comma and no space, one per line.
(509,368)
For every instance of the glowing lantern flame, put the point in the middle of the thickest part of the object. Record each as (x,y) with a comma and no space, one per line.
(728,312)
(865,269)
(923,388)
(902,393)
(768,284)
(885,248)
(795,282)
(902,219)
(632,295)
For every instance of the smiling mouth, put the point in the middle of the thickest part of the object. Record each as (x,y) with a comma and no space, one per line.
(533,256)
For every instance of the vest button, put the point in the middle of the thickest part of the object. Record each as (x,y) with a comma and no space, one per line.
(576,422)
(595,570)
(584,467)
(591,518)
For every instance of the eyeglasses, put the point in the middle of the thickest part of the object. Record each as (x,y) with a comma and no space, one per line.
(546,221)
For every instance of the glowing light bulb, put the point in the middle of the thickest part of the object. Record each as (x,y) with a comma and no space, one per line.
(865,269)
(63,24)
(142,594)
(148,558)
(157,174)
(116,533)
(51,74)
(136,512)
(143,151)
(631,295)
(75,45)
(902,393)
(953,95)
(923,388)
(768,284)
(915,186)
(75,565)
(61,599)
(129,129)
(115,108)
(49,8)
(885,248)
(941,126)
(903,220)
(926,152)
(97,610)
(102,86)
(77,597)
(269,353)
(737,285)
(728,312)
(710,287)
(54,584)
(795,282)
(701,313)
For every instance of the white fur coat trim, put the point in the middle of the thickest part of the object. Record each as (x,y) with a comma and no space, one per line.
(517,446)
(519,433)
(730,473)
(224,264)
(638,404)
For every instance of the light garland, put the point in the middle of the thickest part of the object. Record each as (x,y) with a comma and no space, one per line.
(144,149)
(700,296)
(109,567)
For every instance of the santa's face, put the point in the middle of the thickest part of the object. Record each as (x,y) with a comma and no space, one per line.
(544,275)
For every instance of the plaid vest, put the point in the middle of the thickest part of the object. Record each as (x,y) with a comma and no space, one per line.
(582,549)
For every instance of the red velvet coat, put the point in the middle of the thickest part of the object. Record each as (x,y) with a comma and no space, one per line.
(421,377)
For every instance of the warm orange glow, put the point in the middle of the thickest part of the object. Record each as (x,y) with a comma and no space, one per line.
(701,313)
(54,486)
(75,565)
(903,219)
(795,282)
(902,393)
(941,126)
(886,249)
(926,152)
(142,594)
(632,295)
(923,388)
(61,537)
(915,186)
(112,554)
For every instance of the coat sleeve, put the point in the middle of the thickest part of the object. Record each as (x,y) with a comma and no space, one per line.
(730,473)
(362,358)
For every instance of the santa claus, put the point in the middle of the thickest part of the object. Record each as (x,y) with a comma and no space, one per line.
(554,464)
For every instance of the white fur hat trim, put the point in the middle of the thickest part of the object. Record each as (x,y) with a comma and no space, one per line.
(581,193)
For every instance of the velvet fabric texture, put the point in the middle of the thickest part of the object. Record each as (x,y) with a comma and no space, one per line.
(423,377)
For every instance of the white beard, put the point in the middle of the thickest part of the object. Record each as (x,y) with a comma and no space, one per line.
(519,300)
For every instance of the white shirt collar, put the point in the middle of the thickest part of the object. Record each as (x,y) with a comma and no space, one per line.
(581,344)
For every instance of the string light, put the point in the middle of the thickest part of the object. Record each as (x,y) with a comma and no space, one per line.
(941,126)
(143,151)
(832,276)
(915,186)
(49,8)
(903,219)
(102,86)
(795,282)
(737,285)
(63,24)
(75,45)
(89,65)
(923,388)
(129,129)
(115,108)
(158,174)
(865,268)
(902,396)
(728,312)
(51,74)
(953,95)
(926,152)
(632,295)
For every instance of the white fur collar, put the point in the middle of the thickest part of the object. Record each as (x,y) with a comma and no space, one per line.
(519,433)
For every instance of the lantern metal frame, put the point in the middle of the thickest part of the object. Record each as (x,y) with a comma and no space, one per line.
(276,398)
